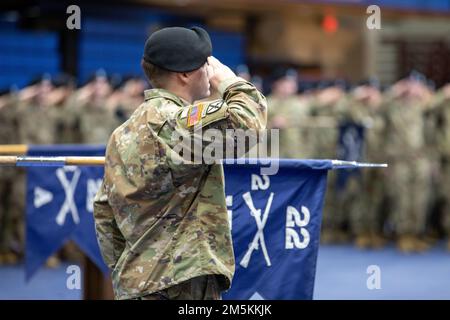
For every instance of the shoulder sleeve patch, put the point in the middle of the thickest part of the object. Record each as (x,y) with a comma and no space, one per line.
(194,114)
(203,113)
(214,107)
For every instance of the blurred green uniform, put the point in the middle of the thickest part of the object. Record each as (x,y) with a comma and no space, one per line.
(9,238)
(408,175)
(96,122)
(440,140)
(291,112)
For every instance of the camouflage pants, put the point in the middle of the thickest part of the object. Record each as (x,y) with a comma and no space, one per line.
(5,219)
(444,192)
(12,206)
(408,184)
(333,217)
(324,147)
(199,288)
(16,210)
(348,200)
(346,206)
(324,142)
(365,213)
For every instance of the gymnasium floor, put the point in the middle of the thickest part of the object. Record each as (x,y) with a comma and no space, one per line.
(341,274)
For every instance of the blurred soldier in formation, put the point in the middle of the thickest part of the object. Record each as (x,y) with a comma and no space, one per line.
(325,107)
(61,101)
(35,113)
(96,121)
(287,113)
(408,175)
(329,100)
(36,124)
(127,98)
(9,242)
(439,139)
(364,195)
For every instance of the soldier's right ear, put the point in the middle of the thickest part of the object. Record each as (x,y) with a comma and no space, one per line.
(209,70)
(183,77)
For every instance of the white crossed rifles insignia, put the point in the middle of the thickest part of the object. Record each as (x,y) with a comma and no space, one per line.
(69,189)
(259,236)
(214,106)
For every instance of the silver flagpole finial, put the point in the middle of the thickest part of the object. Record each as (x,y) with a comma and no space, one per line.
(341,164)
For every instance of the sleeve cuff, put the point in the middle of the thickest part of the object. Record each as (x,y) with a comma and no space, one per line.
(225,84)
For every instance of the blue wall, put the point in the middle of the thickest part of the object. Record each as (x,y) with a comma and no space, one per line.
(111,39)
(116,44)
(26,54)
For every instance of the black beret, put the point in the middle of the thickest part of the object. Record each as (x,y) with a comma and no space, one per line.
(283,72)
(178,49)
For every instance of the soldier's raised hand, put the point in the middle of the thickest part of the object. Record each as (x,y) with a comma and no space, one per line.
(218,72)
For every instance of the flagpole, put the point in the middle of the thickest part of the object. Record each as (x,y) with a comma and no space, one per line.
(24,161)
(14,149)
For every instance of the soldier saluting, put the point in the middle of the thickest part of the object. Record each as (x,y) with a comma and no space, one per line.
(162,225)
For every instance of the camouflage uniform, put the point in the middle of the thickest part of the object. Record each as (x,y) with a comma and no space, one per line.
(8,133)
(67,125)
(293,138)
(160,223)
(96,122)
(324,139)
(307,128)
(440,141)
(126,107)
(367,193)
(35,125)
(375,180)
(348,200)
(198,288)
(408,175)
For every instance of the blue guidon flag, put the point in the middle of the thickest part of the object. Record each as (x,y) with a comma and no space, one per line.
(60,206)
(275,222)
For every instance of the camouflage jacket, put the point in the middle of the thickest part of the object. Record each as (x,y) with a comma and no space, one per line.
(96,123)
(159,222)
(293,141)
(438,127)
(404,132)
(37,123)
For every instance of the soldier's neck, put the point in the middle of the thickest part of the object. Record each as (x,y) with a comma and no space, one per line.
(181,93)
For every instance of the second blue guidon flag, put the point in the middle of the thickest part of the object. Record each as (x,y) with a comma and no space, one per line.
(60,206)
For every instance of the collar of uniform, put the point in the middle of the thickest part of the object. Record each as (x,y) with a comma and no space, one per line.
(152,93)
